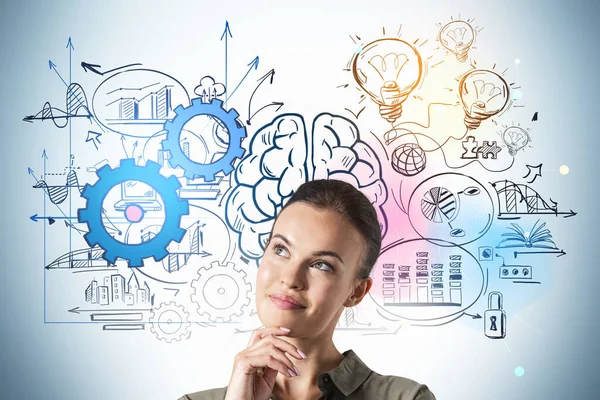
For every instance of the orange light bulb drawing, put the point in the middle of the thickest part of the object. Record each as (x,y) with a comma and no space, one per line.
(388,70)
(457,37)
(483,94)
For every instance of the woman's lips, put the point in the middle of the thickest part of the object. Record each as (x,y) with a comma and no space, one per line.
(285,305)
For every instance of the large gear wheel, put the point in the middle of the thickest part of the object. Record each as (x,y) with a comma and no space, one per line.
(170,322)
(92,214)
(221,291)
(183,115)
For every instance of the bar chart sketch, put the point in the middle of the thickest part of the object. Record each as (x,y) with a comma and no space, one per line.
(423,284)
(149,104)
(138,102)
(419,279)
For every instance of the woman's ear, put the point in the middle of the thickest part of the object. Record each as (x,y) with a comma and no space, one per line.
(360,291)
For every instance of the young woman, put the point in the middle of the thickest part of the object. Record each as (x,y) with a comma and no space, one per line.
(317,261)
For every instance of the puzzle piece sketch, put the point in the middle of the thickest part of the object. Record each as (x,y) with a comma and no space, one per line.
(488,149)
(471,148)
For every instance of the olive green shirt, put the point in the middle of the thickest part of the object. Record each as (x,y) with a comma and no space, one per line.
(352,380)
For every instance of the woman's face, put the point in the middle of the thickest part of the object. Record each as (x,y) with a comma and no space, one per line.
(313,256)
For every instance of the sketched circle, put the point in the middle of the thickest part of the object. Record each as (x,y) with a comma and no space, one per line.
(114,101)
(170,322)
(452,207)
(426,280)
(221,291)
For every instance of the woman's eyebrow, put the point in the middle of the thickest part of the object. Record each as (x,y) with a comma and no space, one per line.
(319,253)
(286,240)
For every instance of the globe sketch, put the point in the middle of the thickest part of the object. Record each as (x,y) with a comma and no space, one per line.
(408,159)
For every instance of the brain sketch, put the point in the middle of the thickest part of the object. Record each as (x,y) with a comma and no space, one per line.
(283,155)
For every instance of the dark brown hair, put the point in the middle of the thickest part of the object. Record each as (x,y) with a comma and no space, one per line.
(349,202)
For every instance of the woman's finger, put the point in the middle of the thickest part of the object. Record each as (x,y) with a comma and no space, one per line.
(253,362)
(281,344)
(258,334)
(274,352)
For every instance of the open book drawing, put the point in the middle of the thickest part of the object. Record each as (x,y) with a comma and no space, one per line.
(537,237)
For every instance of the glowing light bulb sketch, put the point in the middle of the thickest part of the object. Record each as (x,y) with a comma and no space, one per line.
(515,138)
(457,37)
(483,94)
(388,70)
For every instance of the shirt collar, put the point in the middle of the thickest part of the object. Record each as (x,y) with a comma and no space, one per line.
(350,374)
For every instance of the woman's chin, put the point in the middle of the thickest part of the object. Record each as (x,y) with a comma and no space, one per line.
(281,319)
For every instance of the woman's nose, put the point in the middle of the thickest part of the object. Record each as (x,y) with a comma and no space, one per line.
(293,276)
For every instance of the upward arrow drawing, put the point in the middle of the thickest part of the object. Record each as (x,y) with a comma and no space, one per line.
(253,64)
(226,34)
(71,48)
(53,67)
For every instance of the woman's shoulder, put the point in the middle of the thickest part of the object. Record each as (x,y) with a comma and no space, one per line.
(356,376)
(397,387)
(211,394)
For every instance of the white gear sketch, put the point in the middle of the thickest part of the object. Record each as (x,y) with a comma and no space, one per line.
(221,291)
(170,322)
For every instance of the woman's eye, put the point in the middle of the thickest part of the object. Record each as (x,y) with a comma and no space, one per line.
(326,265)
(279,250)
(282,252)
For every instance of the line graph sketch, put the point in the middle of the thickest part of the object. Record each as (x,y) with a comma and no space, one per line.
(76,107)
(59,193)
(516,200)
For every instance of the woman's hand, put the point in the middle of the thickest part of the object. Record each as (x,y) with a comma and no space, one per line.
(256,367)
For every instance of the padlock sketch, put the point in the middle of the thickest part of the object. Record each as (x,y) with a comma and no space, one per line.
(494,321)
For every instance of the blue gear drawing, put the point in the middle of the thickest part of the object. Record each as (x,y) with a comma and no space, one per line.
(150,175)
(183,115)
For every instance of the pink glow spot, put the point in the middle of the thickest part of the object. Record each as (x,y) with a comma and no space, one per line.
(134,213)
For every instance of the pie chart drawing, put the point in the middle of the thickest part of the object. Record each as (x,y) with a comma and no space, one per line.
(452,207)
(439,205)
